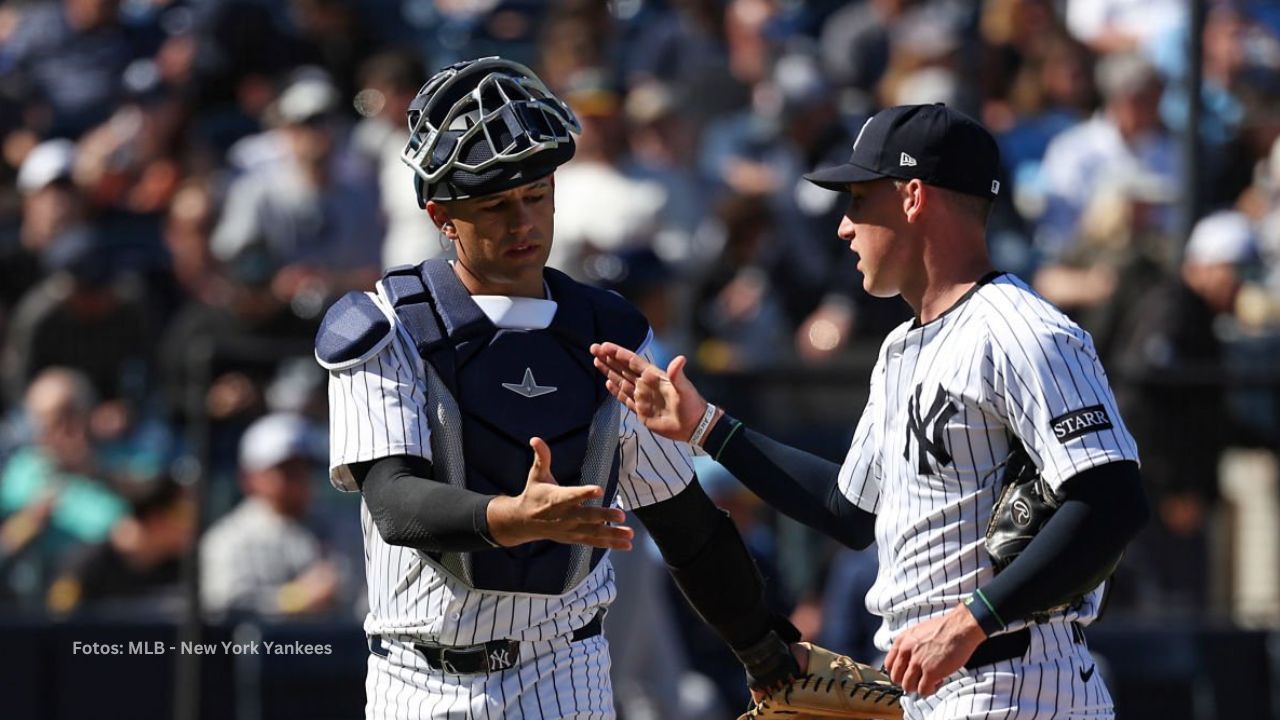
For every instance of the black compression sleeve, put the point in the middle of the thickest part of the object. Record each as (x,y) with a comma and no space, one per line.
(1103,508)
(413,510)
(706,556)
(800,485)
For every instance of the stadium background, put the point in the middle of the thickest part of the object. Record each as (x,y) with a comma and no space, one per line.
(185,186)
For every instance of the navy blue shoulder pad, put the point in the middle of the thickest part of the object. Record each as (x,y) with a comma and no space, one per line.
(616,320)
(353,330)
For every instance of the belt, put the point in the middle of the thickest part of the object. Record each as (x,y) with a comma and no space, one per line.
(1011,645)
(488,657)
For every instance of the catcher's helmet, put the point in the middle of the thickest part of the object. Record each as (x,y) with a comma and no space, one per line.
(482,126)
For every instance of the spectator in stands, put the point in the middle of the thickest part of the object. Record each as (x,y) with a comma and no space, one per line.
(83,316)
(663,150)
(52,492)
(855,44)
(137,570)
(262,558)
(312,219)
(740,322)
(1168,358)
(599,207)
(51,205)
(1117,26)
(69,56)
(389,82)
(1125,141)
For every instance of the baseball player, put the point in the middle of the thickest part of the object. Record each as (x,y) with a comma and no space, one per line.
(987,366)
(490,458)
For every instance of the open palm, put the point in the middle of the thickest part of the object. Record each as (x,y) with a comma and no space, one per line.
(665,401)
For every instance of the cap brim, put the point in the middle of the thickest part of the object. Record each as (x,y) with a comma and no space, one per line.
(838,177)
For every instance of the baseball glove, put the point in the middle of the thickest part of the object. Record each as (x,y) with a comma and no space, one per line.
(1025,505)
(835,687)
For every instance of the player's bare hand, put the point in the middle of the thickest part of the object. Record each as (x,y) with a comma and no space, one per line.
(926,654)
(547,510)
(665,401)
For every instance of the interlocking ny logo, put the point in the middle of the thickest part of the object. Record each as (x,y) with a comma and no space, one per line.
(936,419)
(529,387)
(500,659)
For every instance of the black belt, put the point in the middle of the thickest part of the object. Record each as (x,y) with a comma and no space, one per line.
(1011,645)
(492,656)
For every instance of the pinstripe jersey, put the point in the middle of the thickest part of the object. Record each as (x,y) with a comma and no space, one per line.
(947,400)
(377,409)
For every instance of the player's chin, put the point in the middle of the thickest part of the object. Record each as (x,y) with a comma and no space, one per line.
(877,288)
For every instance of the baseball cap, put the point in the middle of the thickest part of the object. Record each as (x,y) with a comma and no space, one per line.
(275,438)
(309,96)
(932,143)
(1225,237)
(47,162)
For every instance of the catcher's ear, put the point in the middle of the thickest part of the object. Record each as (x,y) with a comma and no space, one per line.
(439,216)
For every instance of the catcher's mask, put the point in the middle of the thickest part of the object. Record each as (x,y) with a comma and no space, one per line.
(482,126)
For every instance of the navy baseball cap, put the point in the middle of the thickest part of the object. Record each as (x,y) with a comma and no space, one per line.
(932,143)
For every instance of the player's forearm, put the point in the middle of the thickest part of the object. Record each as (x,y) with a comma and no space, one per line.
(801,485)
(410,509)
(1103,509)
(710,564)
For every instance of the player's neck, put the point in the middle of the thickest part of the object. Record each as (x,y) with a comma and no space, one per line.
(476,284)
(944,282)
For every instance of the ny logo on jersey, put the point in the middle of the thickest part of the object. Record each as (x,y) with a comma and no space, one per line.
(931,442)
(500,659)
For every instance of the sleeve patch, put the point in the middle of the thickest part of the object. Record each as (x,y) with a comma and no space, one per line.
(1080,422)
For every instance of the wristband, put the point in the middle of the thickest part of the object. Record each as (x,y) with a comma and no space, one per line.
(983,612)
(700,432)
(718,437)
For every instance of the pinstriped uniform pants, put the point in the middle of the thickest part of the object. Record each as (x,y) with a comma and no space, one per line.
(1056,679)
(554,679)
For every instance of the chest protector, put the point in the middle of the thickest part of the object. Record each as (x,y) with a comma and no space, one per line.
(490,390)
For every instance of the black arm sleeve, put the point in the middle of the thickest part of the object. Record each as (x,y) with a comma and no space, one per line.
(715,572)
(411,509)
(1103,508)
(798,484)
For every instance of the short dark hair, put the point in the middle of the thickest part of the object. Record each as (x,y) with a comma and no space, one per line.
(974,206)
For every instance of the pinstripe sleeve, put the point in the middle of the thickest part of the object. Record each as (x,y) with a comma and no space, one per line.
(1049,386)
(652,468)
(859,478)
(376,409)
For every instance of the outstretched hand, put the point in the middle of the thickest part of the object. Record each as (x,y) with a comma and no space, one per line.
(548,511)
(666,402)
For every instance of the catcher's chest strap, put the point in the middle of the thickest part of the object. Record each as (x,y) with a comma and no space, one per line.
(1011,645)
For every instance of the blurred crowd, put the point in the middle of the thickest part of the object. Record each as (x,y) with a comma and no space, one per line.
(185,185)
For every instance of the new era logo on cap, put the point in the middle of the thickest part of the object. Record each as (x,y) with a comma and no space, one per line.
(906,161)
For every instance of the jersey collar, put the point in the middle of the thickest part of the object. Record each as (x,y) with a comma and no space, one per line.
(516,313)
(915,322)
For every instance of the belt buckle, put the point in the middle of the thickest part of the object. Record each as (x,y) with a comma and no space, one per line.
(501,654)
(493,656)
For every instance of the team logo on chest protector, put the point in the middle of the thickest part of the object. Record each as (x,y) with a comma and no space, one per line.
(927,430)
(529,387)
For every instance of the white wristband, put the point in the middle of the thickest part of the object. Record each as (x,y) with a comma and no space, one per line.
(701,431)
